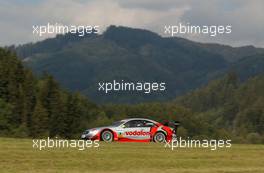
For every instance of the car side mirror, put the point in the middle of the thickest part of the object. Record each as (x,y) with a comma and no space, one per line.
(123,126)
(149,124)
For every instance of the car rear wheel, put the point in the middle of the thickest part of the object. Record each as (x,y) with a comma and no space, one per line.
(159,137)
(107,136)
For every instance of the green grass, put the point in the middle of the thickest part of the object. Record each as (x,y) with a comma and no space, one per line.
(17,155)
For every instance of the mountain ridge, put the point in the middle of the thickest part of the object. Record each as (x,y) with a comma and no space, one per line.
(135,55)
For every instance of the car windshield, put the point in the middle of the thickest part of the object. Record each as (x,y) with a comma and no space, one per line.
(117,123)
(86,132)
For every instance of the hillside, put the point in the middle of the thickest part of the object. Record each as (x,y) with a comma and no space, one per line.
(39,107)
(227,104)
(223,109)
(79,63)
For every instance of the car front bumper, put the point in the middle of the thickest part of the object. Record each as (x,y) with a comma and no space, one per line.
(90,137)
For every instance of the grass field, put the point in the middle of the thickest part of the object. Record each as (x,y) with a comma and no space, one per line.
(17,155)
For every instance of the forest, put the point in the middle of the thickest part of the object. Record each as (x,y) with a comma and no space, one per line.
(37,106)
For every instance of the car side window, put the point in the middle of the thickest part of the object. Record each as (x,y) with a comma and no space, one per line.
(148,124)
(134,123)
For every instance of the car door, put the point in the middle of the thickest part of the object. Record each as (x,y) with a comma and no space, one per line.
(136,130)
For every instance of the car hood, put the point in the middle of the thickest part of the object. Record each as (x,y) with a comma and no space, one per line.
(100,128)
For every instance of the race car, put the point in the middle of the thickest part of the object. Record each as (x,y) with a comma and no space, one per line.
(134,130)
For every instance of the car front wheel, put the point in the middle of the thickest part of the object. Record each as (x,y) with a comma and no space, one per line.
(159,137)
(107,136)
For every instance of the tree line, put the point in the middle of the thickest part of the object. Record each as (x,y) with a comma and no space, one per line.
(37,107)
(32,107)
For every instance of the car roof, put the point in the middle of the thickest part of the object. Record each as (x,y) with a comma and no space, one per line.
(129,119)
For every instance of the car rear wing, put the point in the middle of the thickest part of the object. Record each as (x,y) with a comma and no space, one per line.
(173,124)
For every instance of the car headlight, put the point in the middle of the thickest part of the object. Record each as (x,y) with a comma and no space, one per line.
(83,136)
(93,131)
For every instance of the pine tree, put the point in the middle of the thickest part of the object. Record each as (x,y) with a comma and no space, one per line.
(5,116)
(50,95)
(39,121)
(72,115)
(29,101)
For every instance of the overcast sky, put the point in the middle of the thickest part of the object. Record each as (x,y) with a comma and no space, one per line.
(246,17)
